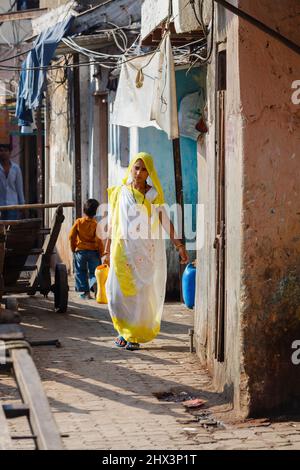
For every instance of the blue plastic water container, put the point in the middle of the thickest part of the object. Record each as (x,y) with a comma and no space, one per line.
(189,285)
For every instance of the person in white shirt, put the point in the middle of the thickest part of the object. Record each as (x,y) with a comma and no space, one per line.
(11,184)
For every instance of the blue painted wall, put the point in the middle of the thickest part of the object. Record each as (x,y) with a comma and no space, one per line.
(156,143)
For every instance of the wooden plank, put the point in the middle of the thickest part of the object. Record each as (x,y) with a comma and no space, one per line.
(5,439)
(19,289)
(21,222)
(21,236)
(43,263)
(22,15)
(177,39)
(24,207)
(32,392)
(21,268)
(11,332)
(34,251)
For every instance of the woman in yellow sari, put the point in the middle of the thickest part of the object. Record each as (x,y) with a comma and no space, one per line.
(135,251)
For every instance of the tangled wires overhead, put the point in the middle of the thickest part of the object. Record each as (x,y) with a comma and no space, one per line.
(203,54)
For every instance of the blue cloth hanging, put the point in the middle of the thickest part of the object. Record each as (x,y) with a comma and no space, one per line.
(33,74)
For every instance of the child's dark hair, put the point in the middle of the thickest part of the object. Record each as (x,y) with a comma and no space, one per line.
(90,207)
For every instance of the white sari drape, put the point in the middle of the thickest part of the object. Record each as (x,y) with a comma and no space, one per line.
(136,294)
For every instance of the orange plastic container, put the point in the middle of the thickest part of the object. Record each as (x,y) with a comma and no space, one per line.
(101,274)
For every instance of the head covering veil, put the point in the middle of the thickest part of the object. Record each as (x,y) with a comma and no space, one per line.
(149,164)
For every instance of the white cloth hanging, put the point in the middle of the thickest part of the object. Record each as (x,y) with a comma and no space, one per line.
(146,94)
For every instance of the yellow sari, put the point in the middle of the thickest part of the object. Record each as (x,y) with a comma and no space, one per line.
(138,270)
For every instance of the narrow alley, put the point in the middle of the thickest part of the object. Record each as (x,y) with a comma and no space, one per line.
(149,226)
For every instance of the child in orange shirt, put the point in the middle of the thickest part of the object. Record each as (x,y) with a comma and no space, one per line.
(87,249)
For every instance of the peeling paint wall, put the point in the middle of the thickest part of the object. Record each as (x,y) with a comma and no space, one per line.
(262,213)
(61,159)
(226,374)
(271,230)
(154,12)
(62,152)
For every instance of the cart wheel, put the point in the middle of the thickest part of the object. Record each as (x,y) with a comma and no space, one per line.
(61,288)
(11,303)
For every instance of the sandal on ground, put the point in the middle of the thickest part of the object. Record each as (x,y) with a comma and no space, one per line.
(120,342)
(132,346)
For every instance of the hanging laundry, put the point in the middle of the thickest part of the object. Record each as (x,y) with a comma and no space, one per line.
(146,94)
(190,112)
(33,75)
(164,106)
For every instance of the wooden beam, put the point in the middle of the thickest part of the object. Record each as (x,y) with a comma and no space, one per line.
(22,15)
(36,206)
(32,392)
(177,39)
(5,439)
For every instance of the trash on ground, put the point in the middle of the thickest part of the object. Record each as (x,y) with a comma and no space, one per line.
(172,395)
(191,429)
(194,404)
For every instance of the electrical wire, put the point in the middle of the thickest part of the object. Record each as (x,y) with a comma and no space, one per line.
(112,61)
(199,58)
(15,56)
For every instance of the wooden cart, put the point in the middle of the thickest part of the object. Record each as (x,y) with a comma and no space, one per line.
(32,403)
(19,256)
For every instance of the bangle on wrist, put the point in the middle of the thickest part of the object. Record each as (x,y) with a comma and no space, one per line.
(106,253)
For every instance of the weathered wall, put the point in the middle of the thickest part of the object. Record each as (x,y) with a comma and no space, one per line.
(227,374)
(154,12)
(61,159)
(271,258)
(262,214)
(13,32)
(86,106)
